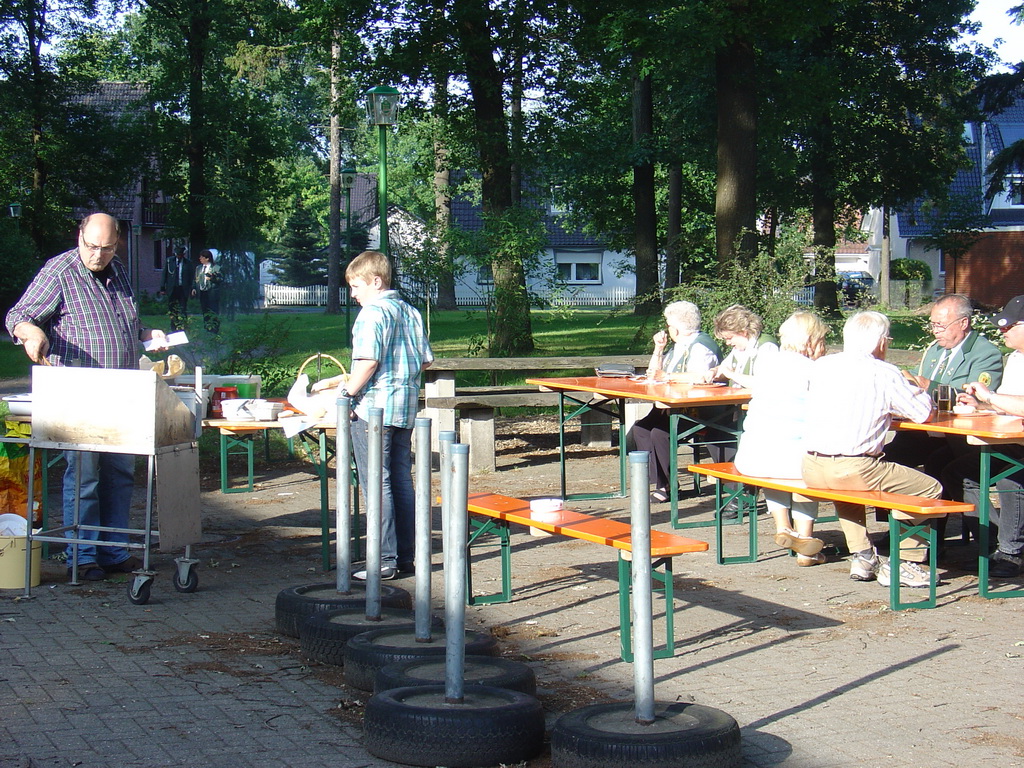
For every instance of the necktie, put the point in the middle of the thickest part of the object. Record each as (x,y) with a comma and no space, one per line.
(940,366)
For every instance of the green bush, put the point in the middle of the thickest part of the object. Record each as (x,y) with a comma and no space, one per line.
(909,269)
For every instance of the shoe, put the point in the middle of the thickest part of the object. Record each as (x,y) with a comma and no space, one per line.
(731,510)
(911,575)
(806,560)
(1003,565)
(863,568)
(387,572)
(129,565)
(409,567)
(659,495)
(89,572)
(802,545)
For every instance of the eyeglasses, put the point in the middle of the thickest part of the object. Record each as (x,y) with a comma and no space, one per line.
(940,327)
(106,250)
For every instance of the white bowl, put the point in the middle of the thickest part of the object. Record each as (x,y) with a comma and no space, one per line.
(237,409)
(19,405)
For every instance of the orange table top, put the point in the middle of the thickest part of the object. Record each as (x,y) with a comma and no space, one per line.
(989,426)
(669,393)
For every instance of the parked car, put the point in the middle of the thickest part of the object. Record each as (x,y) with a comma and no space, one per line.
(855,286)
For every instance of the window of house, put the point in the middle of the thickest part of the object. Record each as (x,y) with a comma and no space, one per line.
(578,267)
(1016,184)
(484,275)
(158,254)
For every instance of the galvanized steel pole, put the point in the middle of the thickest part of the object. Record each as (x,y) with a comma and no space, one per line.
(643,633)
(455,577)
(423,530)
(374,493)
(445,439)
(343,493)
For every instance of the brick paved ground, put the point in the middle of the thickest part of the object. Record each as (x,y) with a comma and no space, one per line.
(815,668)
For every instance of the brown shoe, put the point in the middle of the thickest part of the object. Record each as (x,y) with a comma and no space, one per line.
(802,545)
(125,566)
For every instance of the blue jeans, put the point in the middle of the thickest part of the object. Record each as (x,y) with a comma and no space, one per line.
(398,501)
(105,499)
(964,474)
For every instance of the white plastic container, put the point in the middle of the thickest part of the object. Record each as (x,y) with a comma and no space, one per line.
(545,511)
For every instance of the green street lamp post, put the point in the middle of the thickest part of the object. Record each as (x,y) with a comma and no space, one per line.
(348,180)
(382,110)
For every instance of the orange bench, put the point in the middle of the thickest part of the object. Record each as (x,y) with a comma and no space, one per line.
(898,529)
(501,511)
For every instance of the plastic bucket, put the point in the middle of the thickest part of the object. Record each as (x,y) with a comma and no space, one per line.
(12,562)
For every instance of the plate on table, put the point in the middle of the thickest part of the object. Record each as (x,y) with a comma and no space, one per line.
(972,414)
(709,384)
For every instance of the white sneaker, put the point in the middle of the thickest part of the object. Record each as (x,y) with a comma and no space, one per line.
(387,572)
(864,568)
(911,575)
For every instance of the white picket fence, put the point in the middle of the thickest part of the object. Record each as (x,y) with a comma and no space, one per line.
(316,296)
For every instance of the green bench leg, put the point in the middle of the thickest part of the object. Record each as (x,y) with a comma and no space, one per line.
(481,529)
(662,581)
(746,508)
(900,530)
(229,445)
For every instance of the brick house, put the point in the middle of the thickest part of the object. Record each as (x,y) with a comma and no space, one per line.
(991,273)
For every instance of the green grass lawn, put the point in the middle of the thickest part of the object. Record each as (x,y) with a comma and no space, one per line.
(453,334)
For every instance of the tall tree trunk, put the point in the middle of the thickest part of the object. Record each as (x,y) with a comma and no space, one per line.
(334,205)
(35,22)
(512,332)
(675,225)
(736,194)
(197,43)
(443,195)
(823,219)
(648,297)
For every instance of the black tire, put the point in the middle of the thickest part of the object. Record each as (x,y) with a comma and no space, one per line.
(296,603)
(682,736)
(322,635)
(491,726)
(139,591)
(191,583)
(492,671)
(370,651)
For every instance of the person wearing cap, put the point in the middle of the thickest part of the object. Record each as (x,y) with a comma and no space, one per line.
(964,473)
(958,355)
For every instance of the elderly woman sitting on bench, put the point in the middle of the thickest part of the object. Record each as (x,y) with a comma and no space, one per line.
(772,441)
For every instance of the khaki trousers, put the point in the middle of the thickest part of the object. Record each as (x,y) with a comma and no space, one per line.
(866,473)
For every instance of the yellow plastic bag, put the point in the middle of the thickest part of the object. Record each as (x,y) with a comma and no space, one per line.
(14,474)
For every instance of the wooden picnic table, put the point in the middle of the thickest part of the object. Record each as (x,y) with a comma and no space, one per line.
(687,414)
(988,430)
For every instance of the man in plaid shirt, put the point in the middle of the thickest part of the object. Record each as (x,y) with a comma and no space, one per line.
(79,311)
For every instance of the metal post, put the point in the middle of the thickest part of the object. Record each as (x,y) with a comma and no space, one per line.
(343,492)
(455,577)
(30,517)
(374,494)
(348,252)
(423,530)
(643,633)
(382,188)
(445,439)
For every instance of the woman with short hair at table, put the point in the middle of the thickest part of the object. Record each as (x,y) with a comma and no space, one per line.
(772,441)
(691,355)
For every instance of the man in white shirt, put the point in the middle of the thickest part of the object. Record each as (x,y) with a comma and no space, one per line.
(852,398)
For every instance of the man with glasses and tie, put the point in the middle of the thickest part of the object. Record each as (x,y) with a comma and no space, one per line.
(79,311)
(958,355)
(179,274)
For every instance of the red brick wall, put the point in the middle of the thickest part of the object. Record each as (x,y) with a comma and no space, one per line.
(992,272)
